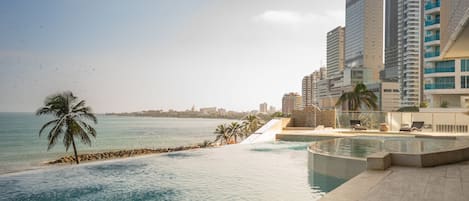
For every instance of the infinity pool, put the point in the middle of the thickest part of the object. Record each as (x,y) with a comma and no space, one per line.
(272,171)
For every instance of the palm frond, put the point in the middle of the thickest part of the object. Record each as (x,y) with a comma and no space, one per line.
(54,134)
(89,116)
(47,125)
(78,105)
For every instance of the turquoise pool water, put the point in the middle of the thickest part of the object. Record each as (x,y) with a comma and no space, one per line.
(363,146)
(271,171)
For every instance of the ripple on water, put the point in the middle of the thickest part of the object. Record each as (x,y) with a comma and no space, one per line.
(181,155)
(63,193)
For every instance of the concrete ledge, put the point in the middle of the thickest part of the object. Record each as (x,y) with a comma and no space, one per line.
(288,137)
(356,188)
(298,128)
(336,166)
(378,161)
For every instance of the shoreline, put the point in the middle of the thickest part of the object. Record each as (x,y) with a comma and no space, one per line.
(110,155)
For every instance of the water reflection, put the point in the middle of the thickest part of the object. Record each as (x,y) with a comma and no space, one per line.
(321,182)
(363,146)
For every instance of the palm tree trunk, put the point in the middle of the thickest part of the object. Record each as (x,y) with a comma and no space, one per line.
(75,151)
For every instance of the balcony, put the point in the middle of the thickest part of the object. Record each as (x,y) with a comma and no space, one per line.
(432,38)
(439,70)
(432,22)
(432,5)
(432,54)
(439,86)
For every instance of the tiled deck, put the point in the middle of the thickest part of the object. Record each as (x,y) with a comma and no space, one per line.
(442,183)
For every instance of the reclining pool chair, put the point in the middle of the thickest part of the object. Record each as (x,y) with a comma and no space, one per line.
(416,126)
(356,125)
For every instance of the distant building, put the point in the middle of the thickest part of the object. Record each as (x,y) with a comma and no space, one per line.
(208,110)
(309,89)
(329,91)
(272,109)
(221,111)
(403,52)
(335,51)
(263,108)
(364,35)
(388,95)
(291,101)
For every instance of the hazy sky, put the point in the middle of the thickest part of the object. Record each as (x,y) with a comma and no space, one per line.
(136,55)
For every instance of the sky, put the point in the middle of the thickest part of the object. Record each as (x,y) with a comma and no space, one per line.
(123,56)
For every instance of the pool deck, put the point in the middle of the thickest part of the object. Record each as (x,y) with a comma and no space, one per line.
(351,133)
(397,183)
(442,183)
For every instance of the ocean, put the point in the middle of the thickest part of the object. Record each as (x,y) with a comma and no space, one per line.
(21,148)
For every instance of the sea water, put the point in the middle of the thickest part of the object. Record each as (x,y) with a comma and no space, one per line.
(21,147)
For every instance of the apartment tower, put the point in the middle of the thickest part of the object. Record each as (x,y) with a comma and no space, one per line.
(364,37)
(291,101)
(335,52)
(446,70)
(403,52)
(309,89)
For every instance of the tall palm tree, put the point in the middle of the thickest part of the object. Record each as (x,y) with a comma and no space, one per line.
(251,123)
(222,133)
(235,130)
(70,121)
(359,97)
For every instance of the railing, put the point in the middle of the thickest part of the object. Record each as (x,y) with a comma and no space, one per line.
(432,5)
(432,22)
(432,38)
(432,54)
(443,122)
(439,70)
(439,86)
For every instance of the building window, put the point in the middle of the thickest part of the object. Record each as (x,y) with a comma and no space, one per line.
(464,65)
(465,82)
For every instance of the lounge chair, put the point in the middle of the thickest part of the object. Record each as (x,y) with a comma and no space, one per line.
(356,125)
(416,126)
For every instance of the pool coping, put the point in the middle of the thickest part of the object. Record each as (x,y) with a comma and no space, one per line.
(425,159)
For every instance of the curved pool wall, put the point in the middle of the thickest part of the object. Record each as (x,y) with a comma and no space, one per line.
(341,167)
(347,157)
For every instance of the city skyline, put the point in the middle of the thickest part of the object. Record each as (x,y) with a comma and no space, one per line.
(161,55)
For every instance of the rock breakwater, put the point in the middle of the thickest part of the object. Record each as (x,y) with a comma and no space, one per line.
(120,154)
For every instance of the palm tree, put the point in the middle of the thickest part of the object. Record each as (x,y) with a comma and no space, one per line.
(222,133)
(251,123)
(235,130)
(359,97)
(70,120)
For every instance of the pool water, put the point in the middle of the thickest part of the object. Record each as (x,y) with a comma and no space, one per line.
(362,146)
(270,171)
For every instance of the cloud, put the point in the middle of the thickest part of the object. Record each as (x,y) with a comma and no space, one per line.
(283,17)
(294,18)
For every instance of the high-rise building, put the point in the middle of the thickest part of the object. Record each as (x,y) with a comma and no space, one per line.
(446,70)
(388,95)
(272,109)
(364,36)
(403,52)
(309,89)
(391,71)
(263,108)
(335,51)
(291,101)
